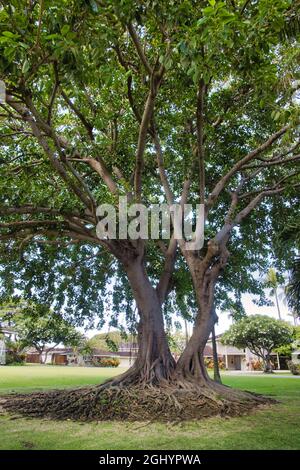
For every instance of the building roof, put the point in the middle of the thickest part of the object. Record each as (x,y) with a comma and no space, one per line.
(103,352)
(226,349)
(52,351)
(66,351)
(128,345)
(128,353)
(208,352)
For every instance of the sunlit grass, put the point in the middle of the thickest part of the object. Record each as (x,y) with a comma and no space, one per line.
(276,427)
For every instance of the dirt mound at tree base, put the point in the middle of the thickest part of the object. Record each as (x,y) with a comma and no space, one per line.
(130,404)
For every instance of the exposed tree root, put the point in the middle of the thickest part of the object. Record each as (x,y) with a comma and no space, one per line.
(135,403)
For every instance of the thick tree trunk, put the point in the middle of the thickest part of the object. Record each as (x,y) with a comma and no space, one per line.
(188,379)
(154,363)
(46,357)
(190,373)
(153,388)
(190,366)
(217,375)
(41,357)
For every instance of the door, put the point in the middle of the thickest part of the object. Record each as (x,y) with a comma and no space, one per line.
(60,359)
(237,362)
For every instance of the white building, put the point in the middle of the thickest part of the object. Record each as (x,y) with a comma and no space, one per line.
(126,355)
(296,356)
(2,352)
(239,359)
(7,333)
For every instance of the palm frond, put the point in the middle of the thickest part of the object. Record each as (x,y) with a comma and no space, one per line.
(293,288)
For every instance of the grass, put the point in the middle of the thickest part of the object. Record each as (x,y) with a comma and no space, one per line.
(33,377)
(276,427)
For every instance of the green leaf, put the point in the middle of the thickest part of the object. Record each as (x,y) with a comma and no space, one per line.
(26,67)
(25,46)
(52,36)
(65,29)
(208,11)
(202,21)
(277,116)
(168,63)
(9,34)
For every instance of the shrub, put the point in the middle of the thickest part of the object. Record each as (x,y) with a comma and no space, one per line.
(294,368)
(106,362)
(15,352)
(15,358)
(209,363)
(257,365)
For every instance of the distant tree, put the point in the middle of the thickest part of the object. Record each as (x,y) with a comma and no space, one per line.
(14,352)
(236,313)
(111,341)
(38,326)
(177,341)
(83,347)
(261,335)
(273,283)
(287,349)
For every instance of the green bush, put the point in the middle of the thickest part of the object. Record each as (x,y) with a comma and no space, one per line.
(14,358)
(15,353)
(209,363)
(294,368)
(106,362)
(257,365)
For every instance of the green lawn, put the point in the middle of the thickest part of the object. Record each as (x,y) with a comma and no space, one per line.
(274,428)
(35,377)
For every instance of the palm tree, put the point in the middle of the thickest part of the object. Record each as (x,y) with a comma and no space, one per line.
(290,236)
(293,288)
(273,284)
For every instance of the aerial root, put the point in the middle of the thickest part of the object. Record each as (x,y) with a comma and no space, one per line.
(167,403)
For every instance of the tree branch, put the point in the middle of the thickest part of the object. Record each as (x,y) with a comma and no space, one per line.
(88,126)
(168,270)
(28,209)
(143,131)
(162,172)
(97,165)
(139,48)
(279,161)
(200,139)
(131,100)
(53,95)
(250,156)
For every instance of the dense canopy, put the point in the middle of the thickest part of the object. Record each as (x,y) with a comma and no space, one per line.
(188,101)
